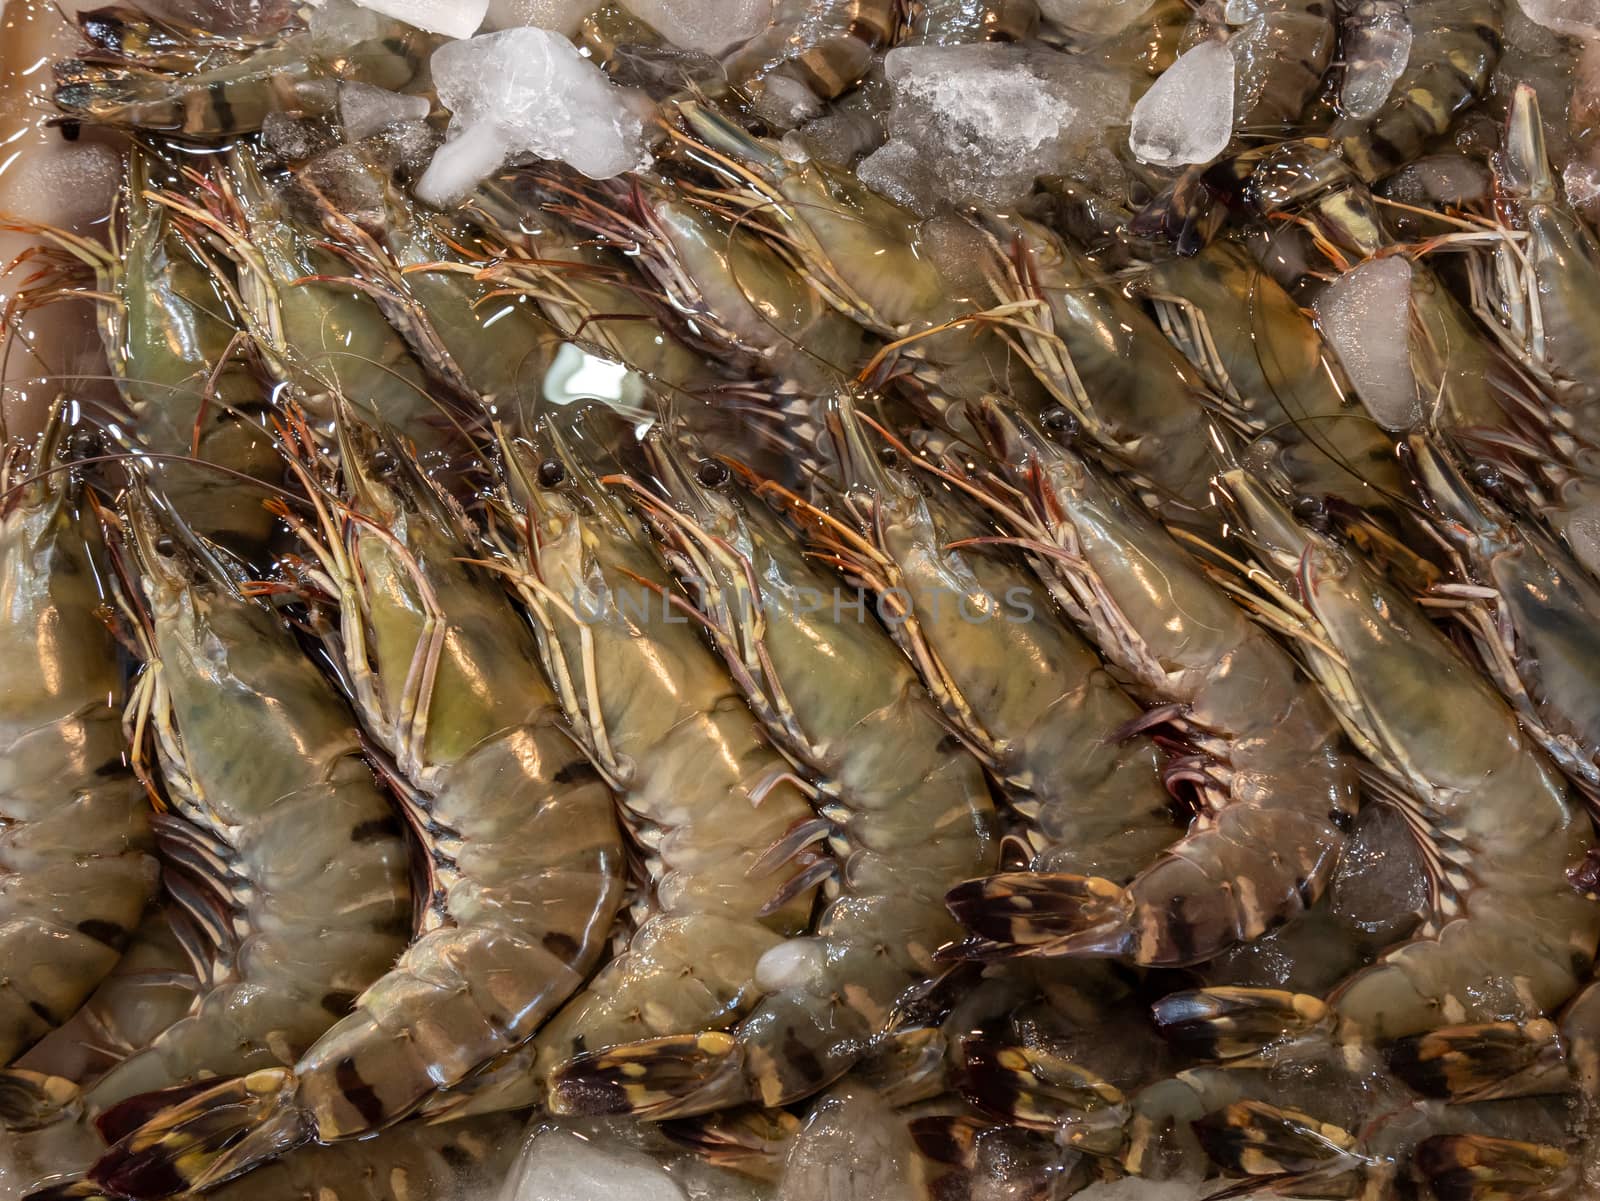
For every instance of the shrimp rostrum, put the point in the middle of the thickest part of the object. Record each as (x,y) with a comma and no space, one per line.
(1274,783)
(1508,937)
(903,804)
(75,868)
(521,848)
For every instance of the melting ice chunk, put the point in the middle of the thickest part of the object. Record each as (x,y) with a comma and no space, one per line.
(1093,16)
(528,91)
(1366,314)
(1377,46)
(1381,885)
(709,26)
(559,1166)
(1187,115)
(853,1148)
(1579,18)
(563,16)
(364,109)
(453,18)
(976,124)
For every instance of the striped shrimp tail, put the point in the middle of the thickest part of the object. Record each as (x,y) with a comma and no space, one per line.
(658,1078)
(211,1137)
(1036,1090)
(1487,1062)
(1475,1167)
(1028,913)
(33,1100)
(1253,1139)
(1239,1023)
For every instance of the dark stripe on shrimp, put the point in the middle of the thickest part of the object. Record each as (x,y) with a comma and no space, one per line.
(358,1092)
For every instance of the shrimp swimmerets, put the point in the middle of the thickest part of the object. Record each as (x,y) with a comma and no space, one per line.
(522,849)
(1495,820)
(1276,787)
(712,806)
(902,802)
(75,871)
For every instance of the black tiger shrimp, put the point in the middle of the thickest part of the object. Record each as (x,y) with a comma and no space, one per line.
(1267,756)
(522,849)
(157,89)
(721,820)
(296,930)
(75,839)
(901,801)
(1497,822)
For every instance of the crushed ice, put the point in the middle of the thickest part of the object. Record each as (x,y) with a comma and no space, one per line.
(976,124)
(1577,18)
(528,91)
(709,26)
(1377,39)
(453,18)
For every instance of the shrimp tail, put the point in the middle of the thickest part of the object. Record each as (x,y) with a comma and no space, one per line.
(656,1078)
(71,1190)
(1254,1139)
(33,1100)
(1031,1088)
(208,1138)
(1239,1023)
(1483,1062)
(1475,1167)
(1029,913)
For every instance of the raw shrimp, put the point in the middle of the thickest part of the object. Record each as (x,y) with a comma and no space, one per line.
(315,329)
(863,253)
(1261,353)
(1103,359)
(522,849)
(176,348)
(1455,45)
(1376,41)
(713,807)
(119,36)
(420,268)
(451,1163)
(297,72)
(1530,609)
(1275,785)
(813,51)
(1281,51)
(75,868)
(903,804)
(299,925)
(1494,818)
(731,283)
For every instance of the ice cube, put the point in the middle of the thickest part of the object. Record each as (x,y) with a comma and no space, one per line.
(977,124)
(1099,17)
(561,16)
(1381,885)
(1365,315)
(453,18)
(559,1165)
(853,1147)
(1187,115)
(1377,46)
(364,109)
(1577,18)
(709,26)
(528,91)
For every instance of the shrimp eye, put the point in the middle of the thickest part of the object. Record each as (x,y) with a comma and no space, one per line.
(1486,476)
(383,462)
(551,473)
(1309,508)
(889,456)
(712,474)
(165,545)
(1059,421)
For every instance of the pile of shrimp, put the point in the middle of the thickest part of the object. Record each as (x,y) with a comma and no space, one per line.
(686,656)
